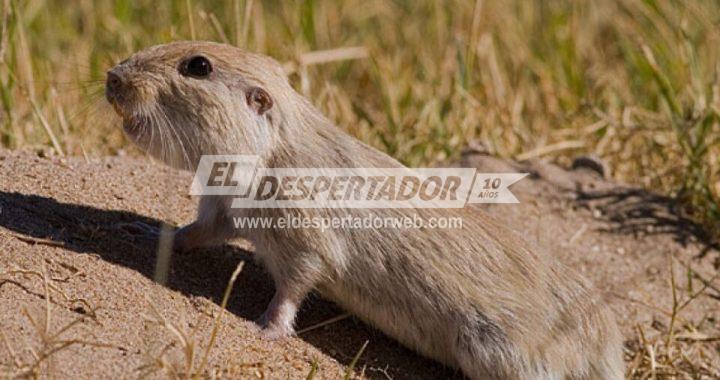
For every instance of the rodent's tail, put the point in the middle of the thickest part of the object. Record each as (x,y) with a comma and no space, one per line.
(607,362)
(592,350)
(608,367)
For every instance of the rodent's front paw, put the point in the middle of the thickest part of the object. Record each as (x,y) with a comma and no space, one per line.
(188,238)
(179,244)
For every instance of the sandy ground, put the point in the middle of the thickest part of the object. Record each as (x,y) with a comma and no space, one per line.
(74,221)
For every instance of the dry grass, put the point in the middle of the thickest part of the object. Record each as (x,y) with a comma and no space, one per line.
(675,348)
(34,361)
(193,365)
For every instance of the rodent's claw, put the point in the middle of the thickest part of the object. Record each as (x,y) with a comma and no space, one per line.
(262,321)
(272,330)
(275,332)
(139,228)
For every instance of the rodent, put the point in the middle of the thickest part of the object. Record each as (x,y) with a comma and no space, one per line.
(479,298)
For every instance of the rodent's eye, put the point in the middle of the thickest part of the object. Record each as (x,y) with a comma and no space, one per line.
(198,67)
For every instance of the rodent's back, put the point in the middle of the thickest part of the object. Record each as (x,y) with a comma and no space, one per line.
(478,298)
(479,303)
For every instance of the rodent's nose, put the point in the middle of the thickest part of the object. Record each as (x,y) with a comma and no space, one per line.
(114,81)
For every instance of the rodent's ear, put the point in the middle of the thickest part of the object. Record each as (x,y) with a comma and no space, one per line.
(259,100)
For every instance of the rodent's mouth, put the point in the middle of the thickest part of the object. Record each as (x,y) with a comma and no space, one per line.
(134,125)
(112,98)
(118,109)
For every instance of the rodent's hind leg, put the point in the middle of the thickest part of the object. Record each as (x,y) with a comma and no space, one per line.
(278,319)
(293,279)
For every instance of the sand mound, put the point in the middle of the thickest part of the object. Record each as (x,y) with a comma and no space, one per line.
(68,230)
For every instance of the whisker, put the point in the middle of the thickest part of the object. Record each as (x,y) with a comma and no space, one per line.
(151,143)
(180,141)
(164,139)
(164,155)
(89,104)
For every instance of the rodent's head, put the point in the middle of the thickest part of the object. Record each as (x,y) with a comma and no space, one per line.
(184,99)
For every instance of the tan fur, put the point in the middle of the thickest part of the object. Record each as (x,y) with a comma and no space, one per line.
(478,298)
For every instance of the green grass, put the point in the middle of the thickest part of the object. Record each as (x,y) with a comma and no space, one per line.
(633,81)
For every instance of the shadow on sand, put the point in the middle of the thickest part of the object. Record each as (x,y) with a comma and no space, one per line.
(638,212)
(204,273)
